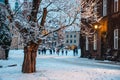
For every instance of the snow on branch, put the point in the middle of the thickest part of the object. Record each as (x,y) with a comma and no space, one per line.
(89,15)
(31,30)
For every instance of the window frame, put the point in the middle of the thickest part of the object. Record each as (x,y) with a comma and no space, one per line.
(95,42)
(67,41)
(116,37)
(104,7)
(75,41)
(71,41)
(87,44)
(116,5)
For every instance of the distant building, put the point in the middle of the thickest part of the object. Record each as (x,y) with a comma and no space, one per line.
(72,36)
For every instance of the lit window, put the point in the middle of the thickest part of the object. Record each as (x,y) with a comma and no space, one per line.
(115,5)
(87,44)
(116,39)
(104,7)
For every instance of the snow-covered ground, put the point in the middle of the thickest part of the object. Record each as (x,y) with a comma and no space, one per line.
(54,67)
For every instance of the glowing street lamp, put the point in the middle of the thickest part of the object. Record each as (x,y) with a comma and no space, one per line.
(96,25)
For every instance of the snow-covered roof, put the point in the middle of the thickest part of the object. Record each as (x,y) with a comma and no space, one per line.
(72,28)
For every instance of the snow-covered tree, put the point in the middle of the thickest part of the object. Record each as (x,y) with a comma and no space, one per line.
(5,35)
(89,16)
(32,27)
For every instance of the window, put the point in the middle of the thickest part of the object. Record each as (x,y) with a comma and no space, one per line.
(104,7)
(95,12)
(74,41)
(67,36)
(95,42)
(70,36)
(70,41)
(87,44)
(67,41)
(116,39)
(115,5)
(74,36)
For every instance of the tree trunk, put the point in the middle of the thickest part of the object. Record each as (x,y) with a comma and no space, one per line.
(82,45)
(30,53)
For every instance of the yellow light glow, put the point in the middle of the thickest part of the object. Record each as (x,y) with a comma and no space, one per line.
(96,26)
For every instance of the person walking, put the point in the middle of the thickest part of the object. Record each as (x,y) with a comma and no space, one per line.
(74,52)
(39,51)
(50,52)
(57,51)
(62,52)
(53,50)
(44,50)
(66,52)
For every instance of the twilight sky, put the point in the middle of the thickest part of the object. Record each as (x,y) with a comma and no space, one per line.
(12,3)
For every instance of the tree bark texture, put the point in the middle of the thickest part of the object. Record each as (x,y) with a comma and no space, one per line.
(82,45)
(43,17)
(30,53)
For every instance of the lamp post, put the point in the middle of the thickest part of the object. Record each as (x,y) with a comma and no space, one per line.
(97,40)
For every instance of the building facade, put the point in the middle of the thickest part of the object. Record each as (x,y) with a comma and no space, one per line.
(113,33)
(106,42)
(71,37)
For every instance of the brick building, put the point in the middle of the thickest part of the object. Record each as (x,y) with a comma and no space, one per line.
(107,40)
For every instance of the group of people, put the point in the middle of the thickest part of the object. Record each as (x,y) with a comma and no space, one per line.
(42,51)
(52,51)
(57,51)
(62,51)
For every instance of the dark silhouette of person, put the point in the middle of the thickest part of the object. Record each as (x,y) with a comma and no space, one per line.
(74,52)
(66,52)
(62,52)
(57,51)
(50,51)
(53,50)
(39,51)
